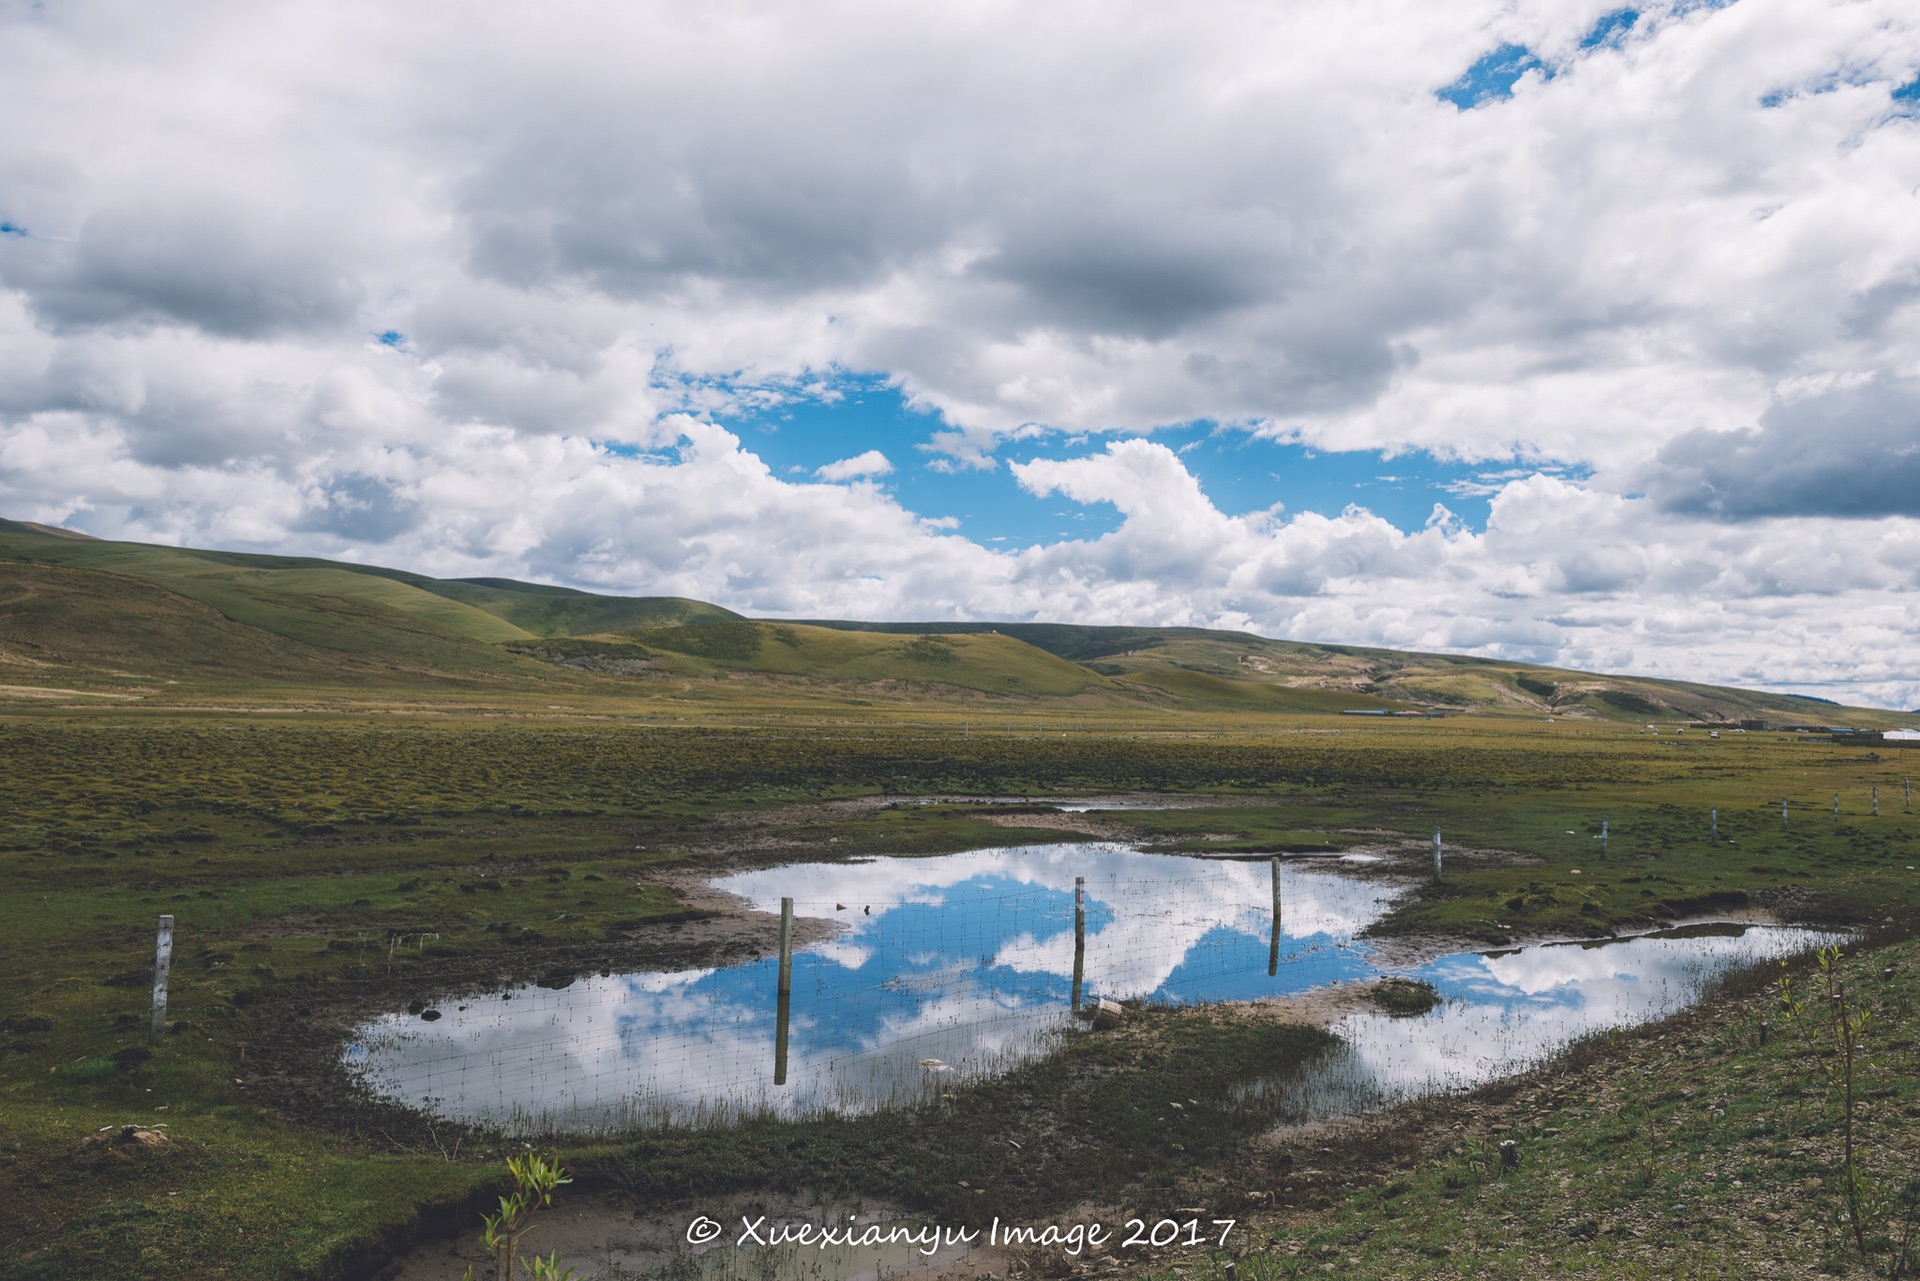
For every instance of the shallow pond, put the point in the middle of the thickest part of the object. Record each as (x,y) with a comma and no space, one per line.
(1507,1010)
(957,966)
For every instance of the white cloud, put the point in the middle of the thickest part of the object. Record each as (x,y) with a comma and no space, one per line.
(1687,265)
(860,466)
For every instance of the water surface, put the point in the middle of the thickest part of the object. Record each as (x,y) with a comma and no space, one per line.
(959,966)
(1507,1010)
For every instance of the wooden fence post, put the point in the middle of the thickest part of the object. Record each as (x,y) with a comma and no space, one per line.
(1079,937)
(784,998)
(162,961)
(1273,942)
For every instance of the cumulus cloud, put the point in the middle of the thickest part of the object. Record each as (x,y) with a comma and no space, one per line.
(860,466)
(1842,447)
(137,267)
(1675,254)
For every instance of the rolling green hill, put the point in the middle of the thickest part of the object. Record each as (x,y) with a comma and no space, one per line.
(1215,668)
(88,618)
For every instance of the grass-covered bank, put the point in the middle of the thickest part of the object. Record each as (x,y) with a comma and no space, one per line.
(319,865)
(1146,1111)
(1699,1146)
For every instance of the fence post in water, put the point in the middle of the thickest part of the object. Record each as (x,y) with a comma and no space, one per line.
(785,993)
(1273,943)
(1079,936)
(1436,853)
(162,959)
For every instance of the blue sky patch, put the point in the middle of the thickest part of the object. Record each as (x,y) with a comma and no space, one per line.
(1845,77)
(9,229)
(1493,77)
(392,338)
(1239,473)
(1611,29)
(1908,92)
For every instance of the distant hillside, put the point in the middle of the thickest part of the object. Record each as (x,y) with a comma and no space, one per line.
(103,616)
(85,618)
(1204,665)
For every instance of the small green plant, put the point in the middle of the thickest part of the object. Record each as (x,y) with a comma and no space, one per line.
(1850,1025)
(534,1180)
(1791,1006)
(548,1269)
(1847,1023)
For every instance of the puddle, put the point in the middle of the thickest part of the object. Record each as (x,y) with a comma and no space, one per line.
(960,966)
(964,960)
(1509,1010)
(1087,806)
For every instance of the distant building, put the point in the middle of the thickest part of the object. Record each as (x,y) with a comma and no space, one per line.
(1902,736)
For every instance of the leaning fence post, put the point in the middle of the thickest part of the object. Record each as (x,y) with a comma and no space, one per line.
(1079,936)
(784,999)
(162,959)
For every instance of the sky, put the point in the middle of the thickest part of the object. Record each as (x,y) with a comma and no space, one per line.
(1558,332)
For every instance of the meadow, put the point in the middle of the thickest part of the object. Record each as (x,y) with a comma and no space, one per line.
(318,866)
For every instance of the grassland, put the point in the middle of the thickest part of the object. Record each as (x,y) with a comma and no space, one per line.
(294,850)
(353,786)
